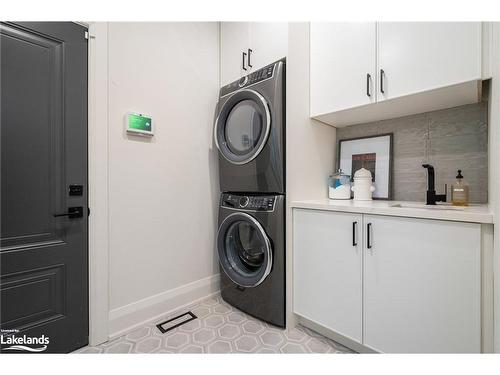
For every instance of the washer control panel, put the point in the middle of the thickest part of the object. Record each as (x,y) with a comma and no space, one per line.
(255,77)
(248,202)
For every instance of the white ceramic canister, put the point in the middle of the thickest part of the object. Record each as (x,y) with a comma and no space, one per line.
(363,187)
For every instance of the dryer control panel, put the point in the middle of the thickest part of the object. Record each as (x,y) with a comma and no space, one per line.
(249,202)
(255,77)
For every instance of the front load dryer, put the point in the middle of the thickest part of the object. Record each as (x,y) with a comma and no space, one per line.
(249,132)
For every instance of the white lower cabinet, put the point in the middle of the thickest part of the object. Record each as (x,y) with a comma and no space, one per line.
(415,282)
(422,286)
(327,270)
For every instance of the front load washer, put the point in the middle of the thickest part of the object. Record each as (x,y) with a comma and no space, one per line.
(249,132)
(251,249)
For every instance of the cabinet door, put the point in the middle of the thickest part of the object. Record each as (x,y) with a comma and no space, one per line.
(421,56)
(422,286)
(343,65)
(234,40)
(327,270)
(269,42)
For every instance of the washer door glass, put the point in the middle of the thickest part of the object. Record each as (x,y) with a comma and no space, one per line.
(244,250)
(243,125)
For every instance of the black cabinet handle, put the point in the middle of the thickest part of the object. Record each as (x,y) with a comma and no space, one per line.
(382,75)
(368,79)
(368,235)
(244,56)
(354,234)
(73,213)
(249,56)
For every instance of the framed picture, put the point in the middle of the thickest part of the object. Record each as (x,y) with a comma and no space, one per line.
(373,153)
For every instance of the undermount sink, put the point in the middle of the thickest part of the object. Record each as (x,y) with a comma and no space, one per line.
(428,207)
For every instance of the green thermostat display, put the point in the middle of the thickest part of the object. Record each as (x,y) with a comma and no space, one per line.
(139,124)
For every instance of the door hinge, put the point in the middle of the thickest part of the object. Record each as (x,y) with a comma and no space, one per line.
(86,35)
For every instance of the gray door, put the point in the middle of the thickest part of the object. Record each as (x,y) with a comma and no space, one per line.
(44,257)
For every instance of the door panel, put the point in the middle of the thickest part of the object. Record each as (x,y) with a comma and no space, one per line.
(327,270)
(342,55)
(44,272)
(422,286)
(38,295)
(31,155)
(420,56)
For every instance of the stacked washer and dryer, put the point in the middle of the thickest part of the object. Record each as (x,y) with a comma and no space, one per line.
(250,136)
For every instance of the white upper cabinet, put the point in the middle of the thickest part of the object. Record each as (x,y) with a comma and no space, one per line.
(422,56)
(234,40)
(249,46)
(268,42)
(343,66)
(414,67)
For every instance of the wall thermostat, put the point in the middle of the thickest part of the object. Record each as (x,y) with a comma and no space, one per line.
(139,124)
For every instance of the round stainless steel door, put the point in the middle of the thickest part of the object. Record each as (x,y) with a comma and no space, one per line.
(242,127)
(244,250)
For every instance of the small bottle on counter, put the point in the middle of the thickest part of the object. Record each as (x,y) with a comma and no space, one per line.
(460,191)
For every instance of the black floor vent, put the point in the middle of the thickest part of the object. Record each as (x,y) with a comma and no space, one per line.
(176,322)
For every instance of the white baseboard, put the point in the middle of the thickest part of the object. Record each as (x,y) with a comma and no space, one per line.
(126,318)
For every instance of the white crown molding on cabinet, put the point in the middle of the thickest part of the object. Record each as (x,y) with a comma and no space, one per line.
(128,317)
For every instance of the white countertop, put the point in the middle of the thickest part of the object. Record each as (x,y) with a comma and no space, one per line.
(473,213)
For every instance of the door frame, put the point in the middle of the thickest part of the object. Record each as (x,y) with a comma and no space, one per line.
(98,121)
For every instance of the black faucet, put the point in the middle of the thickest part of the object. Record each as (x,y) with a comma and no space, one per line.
(432,197)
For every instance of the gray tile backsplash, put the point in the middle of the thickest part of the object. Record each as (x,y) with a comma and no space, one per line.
(450,139)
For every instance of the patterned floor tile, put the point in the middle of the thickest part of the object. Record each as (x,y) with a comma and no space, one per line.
(272,338)
(246,343)
(90,350)
(192,349)
(203,336)
(252,327)
(139,334)
(177,340)
(219,328)
(148,345)
(293,348)
(120,347)
(220,346)
(229,331)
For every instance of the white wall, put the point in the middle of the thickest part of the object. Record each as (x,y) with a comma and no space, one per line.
(163,191)
(310,144)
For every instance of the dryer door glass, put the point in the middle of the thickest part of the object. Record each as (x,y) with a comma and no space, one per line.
(242,127)
(244,250)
